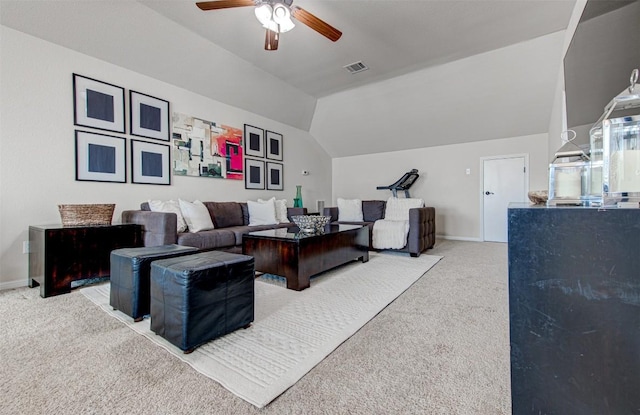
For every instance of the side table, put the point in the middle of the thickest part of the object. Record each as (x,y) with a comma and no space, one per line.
(59,255)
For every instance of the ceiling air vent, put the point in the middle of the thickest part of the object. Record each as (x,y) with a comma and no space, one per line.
(356,67)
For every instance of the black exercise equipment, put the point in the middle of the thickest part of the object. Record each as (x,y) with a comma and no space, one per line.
(405,182)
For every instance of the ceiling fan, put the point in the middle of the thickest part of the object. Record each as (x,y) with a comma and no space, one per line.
(275,16)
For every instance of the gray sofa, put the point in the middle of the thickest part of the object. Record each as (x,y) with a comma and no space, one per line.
(422,224)
(230,219)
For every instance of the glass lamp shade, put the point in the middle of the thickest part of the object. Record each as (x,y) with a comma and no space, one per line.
(276,18)
(282,16)
(264,13)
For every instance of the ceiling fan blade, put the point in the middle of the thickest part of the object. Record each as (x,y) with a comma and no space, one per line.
(271,40)
(224,4)
(315,23)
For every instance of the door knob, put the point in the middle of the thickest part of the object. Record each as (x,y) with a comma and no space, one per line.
(488,193)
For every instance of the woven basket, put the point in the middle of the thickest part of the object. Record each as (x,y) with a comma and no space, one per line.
(93,214)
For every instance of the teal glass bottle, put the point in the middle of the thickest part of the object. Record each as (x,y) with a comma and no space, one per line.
(297,201)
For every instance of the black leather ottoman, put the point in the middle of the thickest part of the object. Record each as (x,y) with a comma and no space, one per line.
(200,297)
(130,273)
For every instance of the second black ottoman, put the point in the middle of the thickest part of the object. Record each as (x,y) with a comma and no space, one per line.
(200,297)
(130,272)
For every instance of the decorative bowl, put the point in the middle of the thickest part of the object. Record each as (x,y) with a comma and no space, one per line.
(538,197)
(310,223)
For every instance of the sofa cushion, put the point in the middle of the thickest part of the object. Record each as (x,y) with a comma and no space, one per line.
(169,206)
(281,209)
(262,213)
(372,210)
(349,210)
(245,213)
(213,239)
(196,215)
(225,214)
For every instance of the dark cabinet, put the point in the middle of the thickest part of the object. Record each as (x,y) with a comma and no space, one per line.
(60,255)
(574,310)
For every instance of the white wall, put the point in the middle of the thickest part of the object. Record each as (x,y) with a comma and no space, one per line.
(498,94)
(37,161)
(443,181)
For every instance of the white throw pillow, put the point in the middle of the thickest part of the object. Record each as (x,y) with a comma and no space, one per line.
(262,213)
(281,209)
(170,206)
(196,215)
(398,209)
(350,210)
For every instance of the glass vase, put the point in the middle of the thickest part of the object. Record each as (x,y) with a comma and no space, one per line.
(297,201)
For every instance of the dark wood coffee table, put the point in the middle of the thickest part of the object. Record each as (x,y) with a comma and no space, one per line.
(297,256)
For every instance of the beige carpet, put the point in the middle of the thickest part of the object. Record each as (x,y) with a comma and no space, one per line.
(442,347)
(292,331)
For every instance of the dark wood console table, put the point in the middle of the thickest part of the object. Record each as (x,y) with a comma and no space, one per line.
(574,309)
(59,255)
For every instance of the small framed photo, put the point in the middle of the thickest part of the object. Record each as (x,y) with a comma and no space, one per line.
(253,174)
(100,158)
(274,146)
(98,104)
(275,175)
(150,163)
(253,141)
(149,116)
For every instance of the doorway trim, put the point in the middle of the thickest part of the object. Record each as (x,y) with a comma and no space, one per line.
(481,183)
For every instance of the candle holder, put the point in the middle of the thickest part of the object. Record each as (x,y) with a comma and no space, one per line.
(615,143)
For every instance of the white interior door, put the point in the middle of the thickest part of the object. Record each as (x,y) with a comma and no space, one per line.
(504,182)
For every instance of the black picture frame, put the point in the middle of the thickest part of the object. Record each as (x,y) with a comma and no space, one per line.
(98,104)
(275,176)
(150,163)
(100,157)
(254,174)
(274,146)
(149,116)
(253,141)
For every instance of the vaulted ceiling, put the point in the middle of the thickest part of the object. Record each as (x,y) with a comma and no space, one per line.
(220,54)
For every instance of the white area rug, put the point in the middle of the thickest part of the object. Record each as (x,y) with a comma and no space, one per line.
(293,331)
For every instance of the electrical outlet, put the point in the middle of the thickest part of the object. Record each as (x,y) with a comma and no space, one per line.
(25,247)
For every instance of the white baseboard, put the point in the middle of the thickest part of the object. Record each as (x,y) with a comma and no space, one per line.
(13,284)
(459,238)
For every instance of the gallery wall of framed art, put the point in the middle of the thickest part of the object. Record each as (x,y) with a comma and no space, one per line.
(260,147)
(164,143)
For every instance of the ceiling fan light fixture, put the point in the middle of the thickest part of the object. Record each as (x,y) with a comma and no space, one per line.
(263,13)
(282,16)
(276,18)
